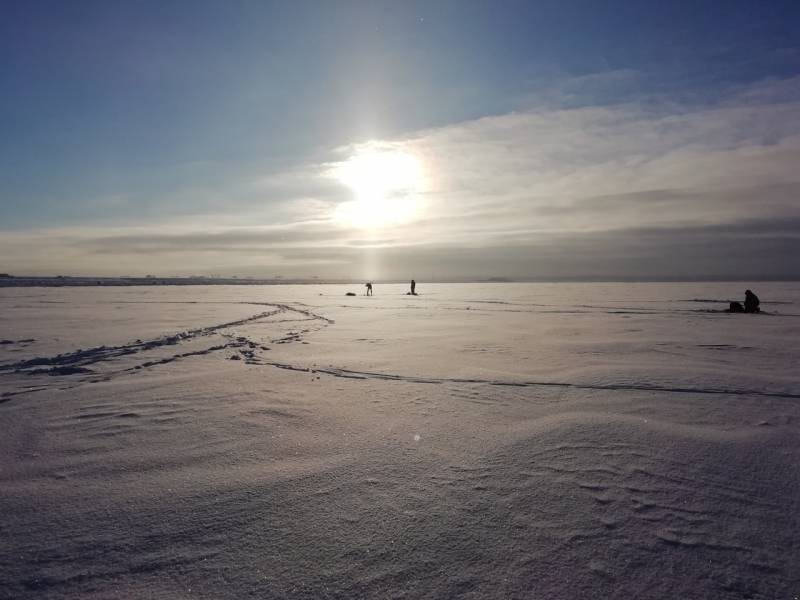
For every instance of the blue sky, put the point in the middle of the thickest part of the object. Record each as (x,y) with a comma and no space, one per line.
(200,136)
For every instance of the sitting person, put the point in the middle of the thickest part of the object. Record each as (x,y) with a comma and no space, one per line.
(751,302)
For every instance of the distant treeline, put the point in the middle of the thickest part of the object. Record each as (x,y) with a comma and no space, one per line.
(63,281)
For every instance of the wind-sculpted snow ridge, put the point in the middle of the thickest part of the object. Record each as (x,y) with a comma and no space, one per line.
(6,396)
(637,503)
(204,443)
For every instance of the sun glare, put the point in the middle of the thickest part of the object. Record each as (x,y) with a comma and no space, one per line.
(387,185)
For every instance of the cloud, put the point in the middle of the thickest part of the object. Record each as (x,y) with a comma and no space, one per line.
(629,190)
(235,240)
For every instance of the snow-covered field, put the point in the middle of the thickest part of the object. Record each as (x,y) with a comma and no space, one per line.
(476,441)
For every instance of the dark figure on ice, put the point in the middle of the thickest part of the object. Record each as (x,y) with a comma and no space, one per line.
(751,303)
(369,289)
(413,287)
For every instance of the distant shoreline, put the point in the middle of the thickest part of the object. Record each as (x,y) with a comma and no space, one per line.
(66,281)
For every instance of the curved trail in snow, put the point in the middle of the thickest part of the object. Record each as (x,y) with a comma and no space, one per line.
(79,361)
(354,374)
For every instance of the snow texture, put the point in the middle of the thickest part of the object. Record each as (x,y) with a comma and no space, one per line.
(476,441)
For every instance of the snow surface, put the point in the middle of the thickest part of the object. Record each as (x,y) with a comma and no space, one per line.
(476,441)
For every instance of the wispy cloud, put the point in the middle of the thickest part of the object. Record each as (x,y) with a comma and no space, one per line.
(635,189)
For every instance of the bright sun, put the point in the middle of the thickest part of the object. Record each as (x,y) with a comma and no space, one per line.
(387,185)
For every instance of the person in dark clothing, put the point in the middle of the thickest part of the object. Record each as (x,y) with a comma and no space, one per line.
(369,289)
(751,302)
(413,287)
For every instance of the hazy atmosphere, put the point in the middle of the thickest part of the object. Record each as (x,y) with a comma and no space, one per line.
(384,140)
(442,300)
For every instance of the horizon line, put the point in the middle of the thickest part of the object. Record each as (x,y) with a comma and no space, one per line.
(133,280)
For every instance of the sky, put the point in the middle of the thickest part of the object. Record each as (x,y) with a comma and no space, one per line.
(440,140)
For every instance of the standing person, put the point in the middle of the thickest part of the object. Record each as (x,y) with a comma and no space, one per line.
(369,289)
(413,287)
(751,302)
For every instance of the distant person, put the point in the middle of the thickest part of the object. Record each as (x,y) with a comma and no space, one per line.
(413,288)
(369,289)
(751,302)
